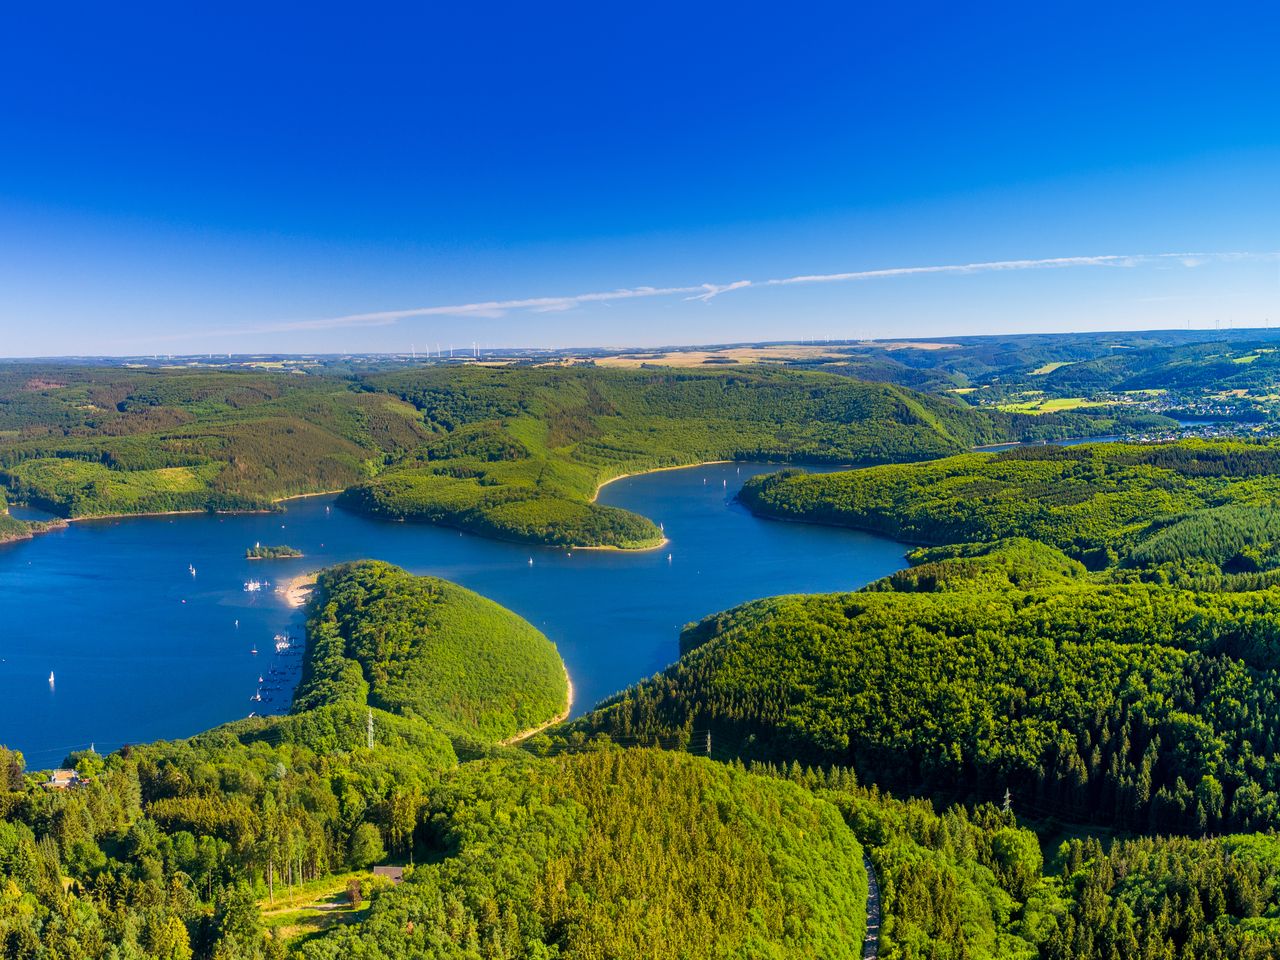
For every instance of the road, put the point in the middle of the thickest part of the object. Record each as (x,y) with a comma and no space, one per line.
(871,945)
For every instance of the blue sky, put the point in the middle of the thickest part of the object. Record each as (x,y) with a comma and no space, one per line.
(335,178)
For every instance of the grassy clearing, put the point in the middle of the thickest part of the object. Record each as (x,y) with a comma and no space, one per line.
(1250,357)
(1049,405)
(313,907)
(1043,369)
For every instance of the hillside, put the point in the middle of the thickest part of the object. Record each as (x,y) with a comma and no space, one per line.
(521,453)
(1192,508)
(621,854)
(512,452)
(587,850)
(1136,706)
(84,441)
(177,849)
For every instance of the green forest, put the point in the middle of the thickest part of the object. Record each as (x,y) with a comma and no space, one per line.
(1052,736)
(423,647)
(1179,512)
(280,551)
(11,528)
(510,452)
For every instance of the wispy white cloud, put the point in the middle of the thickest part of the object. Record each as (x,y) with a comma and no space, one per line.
(706,292)
(989,266)
(710,290)
(492,309)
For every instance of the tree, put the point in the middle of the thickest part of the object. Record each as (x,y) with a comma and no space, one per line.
(366,846)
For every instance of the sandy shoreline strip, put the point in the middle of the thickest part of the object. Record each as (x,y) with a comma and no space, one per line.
(641,473)
(297,591)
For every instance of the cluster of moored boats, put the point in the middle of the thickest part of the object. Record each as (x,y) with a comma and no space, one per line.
(282,674)
(286,665)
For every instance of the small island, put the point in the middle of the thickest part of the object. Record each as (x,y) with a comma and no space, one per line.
(281,552)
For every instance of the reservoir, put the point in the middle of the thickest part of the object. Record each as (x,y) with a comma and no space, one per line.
(141,648)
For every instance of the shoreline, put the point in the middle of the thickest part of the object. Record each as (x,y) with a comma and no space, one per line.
(186,513)
(640,473)
(297,590)
(913,544)
(559,718)
(60,522)
(606,546)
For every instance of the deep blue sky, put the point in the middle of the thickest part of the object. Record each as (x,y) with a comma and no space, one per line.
(234,178)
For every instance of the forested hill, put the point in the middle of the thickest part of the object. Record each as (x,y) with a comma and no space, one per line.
(1138,706)
(82,441)
(514,452)
(1187,511)
(620,854)
(427,648)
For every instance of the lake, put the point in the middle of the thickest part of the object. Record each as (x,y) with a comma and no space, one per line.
(142,649)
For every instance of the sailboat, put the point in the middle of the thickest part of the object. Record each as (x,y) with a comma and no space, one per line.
(51,678)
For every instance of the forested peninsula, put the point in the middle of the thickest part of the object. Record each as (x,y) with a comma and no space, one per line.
(1195,512)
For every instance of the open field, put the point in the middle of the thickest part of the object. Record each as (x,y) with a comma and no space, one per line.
(313,907)
(1050,367)
(1049,405)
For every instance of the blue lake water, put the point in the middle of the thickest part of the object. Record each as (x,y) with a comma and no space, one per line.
(141,649)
